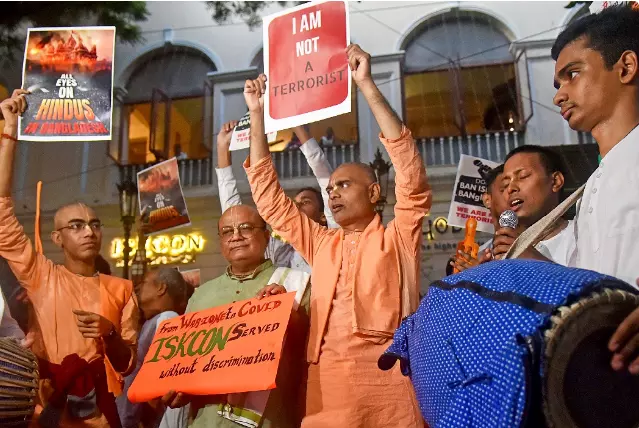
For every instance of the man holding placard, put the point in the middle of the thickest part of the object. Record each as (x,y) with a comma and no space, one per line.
(365,275)
(86,322)
(243,240)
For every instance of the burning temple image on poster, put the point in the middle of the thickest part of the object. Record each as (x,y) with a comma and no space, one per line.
(160,193)
(69,72)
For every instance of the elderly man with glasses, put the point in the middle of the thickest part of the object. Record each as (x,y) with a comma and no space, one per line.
(84,323)
(243,240)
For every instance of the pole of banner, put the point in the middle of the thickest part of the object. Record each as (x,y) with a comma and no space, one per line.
(38,238)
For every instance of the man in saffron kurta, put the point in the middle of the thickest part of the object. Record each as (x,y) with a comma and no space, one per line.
(85,323)
(364,276)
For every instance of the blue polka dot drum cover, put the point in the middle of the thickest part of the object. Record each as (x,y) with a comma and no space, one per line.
(518,343)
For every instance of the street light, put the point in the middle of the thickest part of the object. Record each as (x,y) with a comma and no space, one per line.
(128,204)
(381,168)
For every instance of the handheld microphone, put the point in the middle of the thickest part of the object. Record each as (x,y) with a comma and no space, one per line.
(508,219)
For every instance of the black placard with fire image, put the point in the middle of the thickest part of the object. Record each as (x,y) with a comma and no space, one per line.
(69,74)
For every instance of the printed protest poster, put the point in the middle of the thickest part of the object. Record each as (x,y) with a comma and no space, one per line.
(69,72)
(306,64)
(160,194)
(467,194)
(227,349)
(192,277)
(240,139)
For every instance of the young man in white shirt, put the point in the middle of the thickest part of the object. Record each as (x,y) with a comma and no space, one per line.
(597,81)
(309,200)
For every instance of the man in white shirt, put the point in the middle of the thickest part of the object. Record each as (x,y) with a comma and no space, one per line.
(309,200)
(597,81)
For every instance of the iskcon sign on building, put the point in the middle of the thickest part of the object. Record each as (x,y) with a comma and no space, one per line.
(161,249)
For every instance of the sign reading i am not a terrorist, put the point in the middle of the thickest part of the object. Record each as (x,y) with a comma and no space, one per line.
(227,349)
(306,64)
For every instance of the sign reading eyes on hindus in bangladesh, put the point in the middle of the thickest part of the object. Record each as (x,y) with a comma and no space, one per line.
(306,64)
(467,201)
(228,349)
(160,194)
(69,74)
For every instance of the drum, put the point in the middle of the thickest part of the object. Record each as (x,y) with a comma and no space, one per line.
(518,343)
(18,384)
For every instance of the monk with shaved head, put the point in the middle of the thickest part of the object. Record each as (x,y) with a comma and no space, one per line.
(243,240)
(365,277)
(85,323)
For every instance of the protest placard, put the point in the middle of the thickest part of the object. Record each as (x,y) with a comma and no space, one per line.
(69,72)
(306,64)
(192,277)
(227,349)
(467,194)
(240,139)
(160,194)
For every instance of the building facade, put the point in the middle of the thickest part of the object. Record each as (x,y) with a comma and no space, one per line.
(466,77)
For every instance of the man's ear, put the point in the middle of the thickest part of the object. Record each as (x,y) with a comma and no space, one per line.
(558,181)
(162,288)
(374,192)
(628,65)
(56,237)
(487,200)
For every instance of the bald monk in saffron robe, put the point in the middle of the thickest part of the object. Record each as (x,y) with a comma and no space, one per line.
(364,275)
(85,323)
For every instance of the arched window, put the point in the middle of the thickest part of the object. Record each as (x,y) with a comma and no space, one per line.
(460,77)
(335,131)
(167,106)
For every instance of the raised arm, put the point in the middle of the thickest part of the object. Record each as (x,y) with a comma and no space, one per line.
(226,183)
(274,206)
(322,170)
(15,246)
(412,191)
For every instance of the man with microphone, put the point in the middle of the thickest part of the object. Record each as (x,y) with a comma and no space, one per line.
(527,187)
(531,186)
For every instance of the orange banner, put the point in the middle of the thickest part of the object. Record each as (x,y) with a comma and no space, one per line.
(226,349)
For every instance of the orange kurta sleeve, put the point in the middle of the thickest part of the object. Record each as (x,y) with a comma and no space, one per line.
(129,330)
(16,247)
(279,211)
(413,201)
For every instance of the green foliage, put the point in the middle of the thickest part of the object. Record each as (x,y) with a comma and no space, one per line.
(17,15)
(223,11)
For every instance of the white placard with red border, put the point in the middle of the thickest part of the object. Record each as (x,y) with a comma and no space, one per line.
(467,194)
(306,64)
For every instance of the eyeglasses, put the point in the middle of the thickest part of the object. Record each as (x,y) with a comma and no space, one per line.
(78,226)
(245,230)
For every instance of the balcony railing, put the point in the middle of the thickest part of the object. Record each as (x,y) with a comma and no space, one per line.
(292,163)
(448,150)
